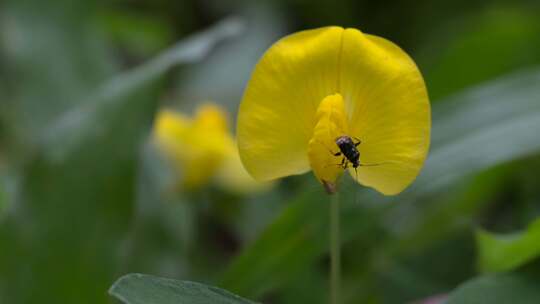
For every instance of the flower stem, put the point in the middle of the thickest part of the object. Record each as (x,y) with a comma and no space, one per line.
(335,263)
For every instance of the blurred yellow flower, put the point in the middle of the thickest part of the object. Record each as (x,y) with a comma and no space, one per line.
(317,85)
(202,149)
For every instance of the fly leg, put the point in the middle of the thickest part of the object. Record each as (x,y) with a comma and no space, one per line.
(344,163)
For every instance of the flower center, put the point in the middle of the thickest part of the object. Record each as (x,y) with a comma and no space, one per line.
(331,123)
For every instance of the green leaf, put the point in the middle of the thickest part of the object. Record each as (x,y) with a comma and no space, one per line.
(147,289)
(293,241)
(503,252)
(473,131)
(75,125)
(51,56)
(491,43)
(142,34)
(497,289)
(480,128)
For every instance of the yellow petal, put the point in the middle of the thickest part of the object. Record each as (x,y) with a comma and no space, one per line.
(331,124)
(168,128)
(277,114)
(389,110)
(211,117)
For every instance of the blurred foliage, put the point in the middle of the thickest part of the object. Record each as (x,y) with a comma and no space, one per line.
(486,45)
(84,196)
(498,289)
(503,252)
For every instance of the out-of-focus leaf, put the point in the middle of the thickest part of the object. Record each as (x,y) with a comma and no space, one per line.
(147,289)
(139,34)
(462,145)
(482,127)
(451,212)
(485,45)
(87,120)
(287,245)
(71,215)
(51,55)
(497,289)
(160,238)
(311,287)
(503,252)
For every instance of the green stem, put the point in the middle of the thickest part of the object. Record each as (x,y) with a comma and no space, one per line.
(335,263)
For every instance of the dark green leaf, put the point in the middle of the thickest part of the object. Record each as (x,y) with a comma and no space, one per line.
(490,44)
(503,252)
(51,56)
(497,289)
(73,127)
(147,289)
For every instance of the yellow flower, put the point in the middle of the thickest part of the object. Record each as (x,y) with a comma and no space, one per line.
(314,86)
(202,149)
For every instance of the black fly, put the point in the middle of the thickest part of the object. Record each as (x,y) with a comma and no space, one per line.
(348,148)
(351,155)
